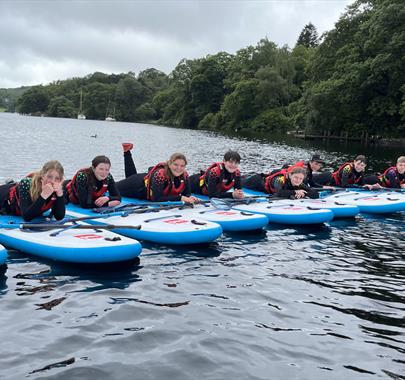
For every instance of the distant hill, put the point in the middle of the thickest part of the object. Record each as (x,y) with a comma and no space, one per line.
(9,97)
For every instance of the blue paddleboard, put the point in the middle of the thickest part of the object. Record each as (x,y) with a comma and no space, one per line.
(69,245)
(158,226)
(3,255)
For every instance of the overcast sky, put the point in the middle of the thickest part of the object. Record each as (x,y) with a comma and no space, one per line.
(42,41)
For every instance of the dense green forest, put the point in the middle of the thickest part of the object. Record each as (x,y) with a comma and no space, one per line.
(350,80)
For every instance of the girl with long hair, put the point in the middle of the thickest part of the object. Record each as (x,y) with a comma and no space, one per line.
(35,194)
(166,181)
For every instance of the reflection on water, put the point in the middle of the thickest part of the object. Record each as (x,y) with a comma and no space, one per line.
(321,302)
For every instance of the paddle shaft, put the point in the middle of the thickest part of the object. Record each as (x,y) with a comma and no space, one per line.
(45,226)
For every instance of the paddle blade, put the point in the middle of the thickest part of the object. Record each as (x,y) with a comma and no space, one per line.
(220,204)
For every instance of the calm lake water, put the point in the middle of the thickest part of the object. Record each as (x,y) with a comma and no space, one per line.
(288,303)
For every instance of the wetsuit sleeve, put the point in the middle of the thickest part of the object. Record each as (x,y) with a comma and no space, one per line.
(309,180)
(254,181)
(238,182)
(157,186)
(113,192)
(285,193)
(84,195)
(59,209)
(393,179)
(311,193)
(29,209)
(187,188)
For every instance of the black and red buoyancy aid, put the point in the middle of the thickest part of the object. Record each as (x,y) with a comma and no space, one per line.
(385,180)
(337,175)
(218,169)
(14,199)
(268,182)
(171,189)
(73,194)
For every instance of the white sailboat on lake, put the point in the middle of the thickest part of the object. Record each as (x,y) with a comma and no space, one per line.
(81,115)
(110,116)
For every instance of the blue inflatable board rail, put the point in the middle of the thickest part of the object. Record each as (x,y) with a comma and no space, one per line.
(371,202)
(3,255)
(158,226)
(285,211)
(230,220)
(69,245)
(339,209)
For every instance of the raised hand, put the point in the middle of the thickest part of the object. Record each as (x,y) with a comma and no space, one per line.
(47,190)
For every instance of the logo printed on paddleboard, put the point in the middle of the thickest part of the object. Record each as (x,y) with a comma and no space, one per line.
(175,221)
(88,236)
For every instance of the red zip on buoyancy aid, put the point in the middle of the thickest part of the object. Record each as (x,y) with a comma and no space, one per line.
(218,168)
(14,199)
(337,173)
(73,194)
(268,182)
(171,189)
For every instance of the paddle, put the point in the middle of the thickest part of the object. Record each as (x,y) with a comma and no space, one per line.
(248,200)
(227,204)
(132,208)
(123,213)
(52,226)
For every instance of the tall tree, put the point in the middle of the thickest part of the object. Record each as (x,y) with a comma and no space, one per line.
(308,36)
(358,71)
(36,99)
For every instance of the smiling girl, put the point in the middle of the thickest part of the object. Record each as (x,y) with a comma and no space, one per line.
(166,181)
(33,195)
(89,186)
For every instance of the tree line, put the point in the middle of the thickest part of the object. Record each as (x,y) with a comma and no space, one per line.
(350,80)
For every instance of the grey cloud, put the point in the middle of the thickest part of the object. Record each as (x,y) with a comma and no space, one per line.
(41,41)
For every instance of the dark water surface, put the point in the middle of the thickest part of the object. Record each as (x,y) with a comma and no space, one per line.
(288,303)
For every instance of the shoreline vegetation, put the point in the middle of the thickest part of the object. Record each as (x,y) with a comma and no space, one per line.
(348,85)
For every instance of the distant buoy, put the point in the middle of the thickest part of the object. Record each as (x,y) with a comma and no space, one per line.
(95,136)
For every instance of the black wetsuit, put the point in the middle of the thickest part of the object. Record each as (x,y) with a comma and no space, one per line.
(281,184)
(133,185)
(392,178)
(216,182)
(26,207)
(85,196)
(287,190)
(347,176)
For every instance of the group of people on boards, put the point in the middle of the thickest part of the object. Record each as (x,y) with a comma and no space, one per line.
(94,186)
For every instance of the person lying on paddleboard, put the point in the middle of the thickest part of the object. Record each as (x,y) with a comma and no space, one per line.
(33,195)
(314,177)
(351,174)
(166,181)
(394,176)
(283,183)
(219,178)
(89,186)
